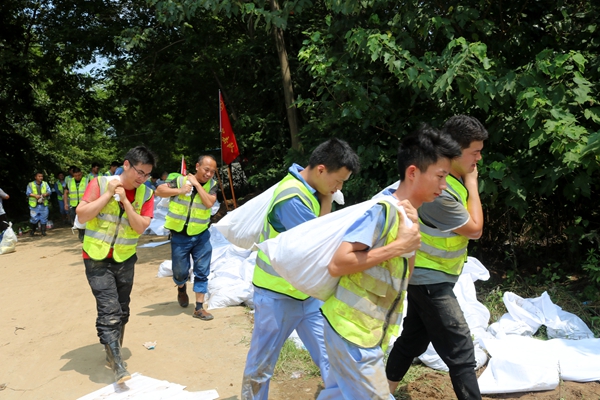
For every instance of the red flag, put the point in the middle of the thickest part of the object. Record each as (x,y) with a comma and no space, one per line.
(183,167)
(229,147)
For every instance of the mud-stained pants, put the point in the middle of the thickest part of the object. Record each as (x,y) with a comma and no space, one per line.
(111,284)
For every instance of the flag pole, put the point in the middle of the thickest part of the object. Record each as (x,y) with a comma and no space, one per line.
(221,143)
(222,191)
(231,186)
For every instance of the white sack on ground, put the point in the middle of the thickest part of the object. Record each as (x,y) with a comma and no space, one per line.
(520,364)
(243,225)
(9,240)
(533,313)
(302,254)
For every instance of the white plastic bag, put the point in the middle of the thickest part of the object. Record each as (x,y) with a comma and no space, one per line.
(302,254)
(243,225)
(9,240)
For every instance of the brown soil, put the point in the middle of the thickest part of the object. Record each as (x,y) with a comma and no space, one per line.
(49,348)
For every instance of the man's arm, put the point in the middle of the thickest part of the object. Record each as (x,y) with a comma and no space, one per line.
(207,199)
(138,223)
(66,198)
(355,257)
(165,190)
(93,202)
(473,229)
(325,201)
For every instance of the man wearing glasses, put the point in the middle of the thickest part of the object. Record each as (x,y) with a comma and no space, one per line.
(117,211)
(192,197)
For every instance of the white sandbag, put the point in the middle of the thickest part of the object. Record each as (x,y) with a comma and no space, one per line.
(433,360)
(165,269)
(9,240)
(393,186)
(302,254)
(519,364)
(243,225)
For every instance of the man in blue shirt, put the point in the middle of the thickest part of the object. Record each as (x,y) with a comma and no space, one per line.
(304,194)
(38,193)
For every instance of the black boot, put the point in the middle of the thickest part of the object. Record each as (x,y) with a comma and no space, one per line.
(33,228)
(43,229)
(113,353)
(108,358)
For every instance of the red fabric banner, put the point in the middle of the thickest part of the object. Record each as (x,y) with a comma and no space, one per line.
(183,167)
(229,147)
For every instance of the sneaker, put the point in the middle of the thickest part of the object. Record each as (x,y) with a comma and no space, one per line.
(182,296)
(203,314)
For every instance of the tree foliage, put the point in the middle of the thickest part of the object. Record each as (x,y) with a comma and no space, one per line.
(366,71)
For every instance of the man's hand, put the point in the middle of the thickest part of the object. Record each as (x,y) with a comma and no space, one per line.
(471,177)
(411,212)
(120,190)
(185,188)
(408,239)
(113,184)
(192,179)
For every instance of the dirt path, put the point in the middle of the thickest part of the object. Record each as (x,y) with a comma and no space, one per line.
(49,348)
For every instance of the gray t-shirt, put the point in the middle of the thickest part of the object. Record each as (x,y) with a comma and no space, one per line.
(3,195)
(446,214)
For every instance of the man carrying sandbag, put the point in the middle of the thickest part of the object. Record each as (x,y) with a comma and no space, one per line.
(304,194)
(374,262)
(192,197)
(447,224)
(116,212)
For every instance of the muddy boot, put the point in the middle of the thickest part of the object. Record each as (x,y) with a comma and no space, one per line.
(108,358)
(43,228)
(33,228)
(113,354)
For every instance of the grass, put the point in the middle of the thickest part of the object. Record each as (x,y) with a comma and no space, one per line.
(294,362)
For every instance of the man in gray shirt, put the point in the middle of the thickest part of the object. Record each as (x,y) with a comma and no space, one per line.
(433,314)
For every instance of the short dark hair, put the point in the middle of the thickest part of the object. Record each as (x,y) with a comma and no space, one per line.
(115,164)
(425,147)
(140,155)
(335,154)
(38,172)
(75,169)
(465,129)
(201,158)
(95,164)
(71,167)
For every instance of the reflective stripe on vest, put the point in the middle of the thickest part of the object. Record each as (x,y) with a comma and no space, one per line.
(444,251)
(180,210)
(110,228)
(366,308)
(32,200)
(76,191)
(264,275)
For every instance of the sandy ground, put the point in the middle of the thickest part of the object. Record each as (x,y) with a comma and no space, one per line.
(48,343)
(49,348)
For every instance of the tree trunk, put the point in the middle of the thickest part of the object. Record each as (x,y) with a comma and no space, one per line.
(286,76)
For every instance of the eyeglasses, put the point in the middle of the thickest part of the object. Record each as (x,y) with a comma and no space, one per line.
(141,174)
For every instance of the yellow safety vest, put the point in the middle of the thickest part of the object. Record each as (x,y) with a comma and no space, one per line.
(76,192)
(32,200)
(60,190)
(183,208)
(111,229)
(366,308)
(264,275)
(444,251)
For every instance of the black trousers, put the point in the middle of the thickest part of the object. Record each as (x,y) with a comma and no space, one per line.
(434,315)
(111,284)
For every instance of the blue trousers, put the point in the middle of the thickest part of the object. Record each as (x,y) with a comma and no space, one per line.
(355,373)
(275,318)
(199,247)
(38,213)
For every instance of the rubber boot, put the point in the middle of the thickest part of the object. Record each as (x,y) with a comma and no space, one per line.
(43,228)
(108,359)
(113,352)
(33,228)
